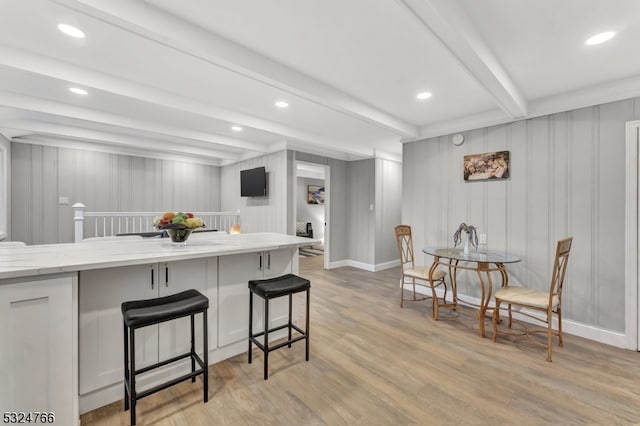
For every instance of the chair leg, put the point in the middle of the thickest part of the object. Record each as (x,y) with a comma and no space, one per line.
(495,318)
(413,281)
(559,326)
(306,328)
(250,323)
(444,284)
(434,300)
(205,356)
(193,347)
(126,366)
(266,339)
(132,375)
(549,333)
(290,315)
(510,316)
(401,292)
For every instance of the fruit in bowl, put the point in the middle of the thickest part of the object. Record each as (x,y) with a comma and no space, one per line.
(180,220)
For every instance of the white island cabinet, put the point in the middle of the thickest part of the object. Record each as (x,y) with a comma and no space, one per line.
(235,273)
(102,292)
(61,331)
(38,352)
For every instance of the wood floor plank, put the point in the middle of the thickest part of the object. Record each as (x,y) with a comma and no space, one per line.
(372,362)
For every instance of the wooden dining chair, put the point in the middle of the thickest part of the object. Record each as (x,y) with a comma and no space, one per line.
(410,274)
(530,302)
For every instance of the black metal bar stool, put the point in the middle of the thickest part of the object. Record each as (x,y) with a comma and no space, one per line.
(268,289)
(141,313)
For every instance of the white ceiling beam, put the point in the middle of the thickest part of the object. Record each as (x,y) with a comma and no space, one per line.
(157,25)
(121,150)
(49,67)
(612,91)
(185,136)
(54,109)
(112,139)
(53,68)
(445,20)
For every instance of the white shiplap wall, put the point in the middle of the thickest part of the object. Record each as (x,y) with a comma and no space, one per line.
(567,177)
(258,214)
(102,182)
(362,225)
(388,199)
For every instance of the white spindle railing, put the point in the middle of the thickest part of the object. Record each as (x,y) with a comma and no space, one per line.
(106,224)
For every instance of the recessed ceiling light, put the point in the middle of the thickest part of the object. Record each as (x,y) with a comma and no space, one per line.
(600,38)
(282,104)
(423,95)
(236,128)
(71,31)
(78,91)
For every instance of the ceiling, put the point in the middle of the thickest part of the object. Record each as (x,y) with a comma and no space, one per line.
(169,79)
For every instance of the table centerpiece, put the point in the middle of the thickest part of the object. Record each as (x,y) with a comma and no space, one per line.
(178,226)
(470,237)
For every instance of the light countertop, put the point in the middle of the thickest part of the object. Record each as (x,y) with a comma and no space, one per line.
(34,260)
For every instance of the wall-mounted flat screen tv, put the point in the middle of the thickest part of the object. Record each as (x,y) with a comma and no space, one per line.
(253,182)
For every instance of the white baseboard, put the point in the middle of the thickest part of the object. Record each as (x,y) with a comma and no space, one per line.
(387,265)
(338,264)
(365,266)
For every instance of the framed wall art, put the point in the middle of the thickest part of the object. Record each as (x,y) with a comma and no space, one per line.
(315,194)
(487,166)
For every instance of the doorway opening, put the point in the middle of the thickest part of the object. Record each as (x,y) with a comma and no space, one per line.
(311,204)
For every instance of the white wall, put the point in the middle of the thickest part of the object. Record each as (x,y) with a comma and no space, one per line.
(362,224)
(305,212)
(388,201)
(567,179)
(102,182)
(259,214)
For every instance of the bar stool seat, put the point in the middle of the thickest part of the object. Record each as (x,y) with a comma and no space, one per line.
(271,288)
(141,313)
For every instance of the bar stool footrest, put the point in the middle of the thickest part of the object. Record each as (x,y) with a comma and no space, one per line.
(279,345)
(165,385)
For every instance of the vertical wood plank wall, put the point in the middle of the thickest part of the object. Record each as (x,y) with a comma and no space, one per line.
(111,182)
(258,214)
(362,225)
(102,182)
(567,178)
(388,199)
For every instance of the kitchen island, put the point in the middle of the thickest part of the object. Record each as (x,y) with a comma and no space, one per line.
(60,320)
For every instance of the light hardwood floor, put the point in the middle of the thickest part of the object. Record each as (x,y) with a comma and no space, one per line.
(373,363)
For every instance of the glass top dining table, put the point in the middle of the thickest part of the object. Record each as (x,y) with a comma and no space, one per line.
(472,256)
(484,263)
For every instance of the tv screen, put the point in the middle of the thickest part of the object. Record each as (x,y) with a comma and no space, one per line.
(253,182)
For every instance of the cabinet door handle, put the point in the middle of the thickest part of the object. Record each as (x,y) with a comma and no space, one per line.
(260,261)
(152,277)
(269,260)
(166,275)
